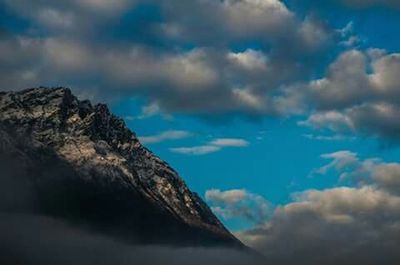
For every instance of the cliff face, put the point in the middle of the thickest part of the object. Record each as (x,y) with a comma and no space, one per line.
(69,159)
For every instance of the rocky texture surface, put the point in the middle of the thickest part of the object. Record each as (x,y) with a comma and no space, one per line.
(67,158)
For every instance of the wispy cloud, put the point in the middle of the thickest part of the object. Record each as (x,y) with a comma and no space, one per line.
(336,137)
(148,111)
(232,142)
(196,150)
(212,147)
(165,136)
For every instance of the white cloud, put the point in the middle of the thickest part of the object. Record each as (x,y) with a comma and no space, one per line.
(387,176)
(335,137)
(385,77)
(334,120)
(69,56)
(253,16)
(164,136)
(196,150)
(344,225)
(351,41)
(149,110)
(211,147)
(230,142)
(359,92)
(192,70)
(341,161)
(373,171)
(251,60)
(346,82)
(53,18)
(248,99)
(313,33)
(353,98)
(230,196)
(347,30)
(204,80)
(241,204)
(334,226)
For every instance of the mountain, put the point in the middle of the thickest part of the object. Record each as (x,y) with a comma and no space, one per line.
(69,159)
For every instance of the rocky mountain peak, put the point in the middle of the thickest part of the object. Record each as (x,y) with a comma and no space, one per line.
(107,159)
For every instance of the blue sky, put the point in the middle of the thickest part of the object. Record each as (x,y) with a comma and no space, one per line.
(270,110)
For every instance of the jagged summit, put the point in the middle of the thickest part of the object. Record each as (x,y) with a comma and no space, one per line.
(83,164)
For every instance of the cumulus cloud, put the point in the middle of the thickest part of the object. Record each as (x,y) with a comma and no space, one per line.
(250,59)
(227,20)
(343,225)
(253,16)
(358,95)
(211,147)
(75,8)
(165,136)
(82,44)
(238,204)
(63,45)
(346,82)
(231,18)
(372,171)
(197,81)
(334,226)
(71,20)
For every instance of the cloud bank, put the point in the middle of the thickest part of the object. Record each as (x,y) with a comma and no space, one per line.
(343,225)
(32,239)
(153,60)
